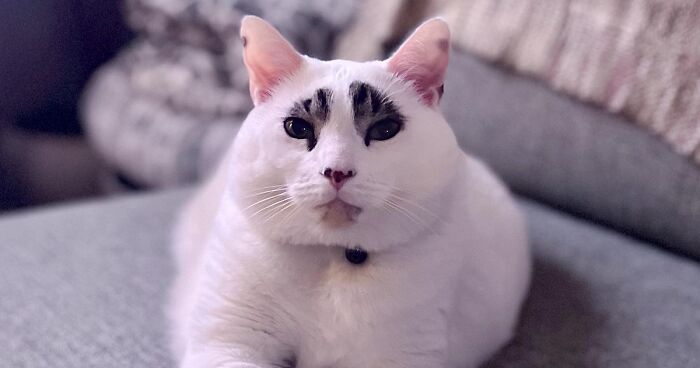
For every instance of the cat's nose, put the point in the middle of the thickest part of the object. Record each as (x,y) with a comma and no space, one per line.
(338,177)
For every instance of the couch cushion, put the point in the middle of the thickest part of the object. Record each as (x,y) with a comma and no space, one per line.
(574,156)
(84,286)
(601,299)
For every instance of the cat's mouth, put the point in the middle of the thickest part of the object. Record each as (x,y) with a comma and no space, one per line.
(337,213)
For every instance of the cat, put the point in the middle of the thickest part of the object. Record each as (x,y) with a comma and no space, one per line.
(345,227)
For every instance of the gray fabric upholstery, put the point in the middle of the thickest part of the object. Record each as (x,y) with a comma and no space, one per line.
(601,299)
(84,286)
(573,156)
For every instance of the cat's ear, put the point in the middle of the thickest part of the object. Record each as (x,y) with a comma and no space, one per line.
(268,56)
(422,59)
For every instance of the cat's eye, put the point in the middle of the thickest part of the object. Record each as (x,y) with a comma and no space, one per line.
(382,130)
(298,128)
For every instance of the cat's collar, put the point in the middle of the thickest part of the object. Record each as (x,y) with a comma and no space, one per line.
(356,256)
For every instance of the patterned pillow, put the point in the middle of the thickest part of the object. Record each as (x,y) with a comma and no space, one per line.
(163,111)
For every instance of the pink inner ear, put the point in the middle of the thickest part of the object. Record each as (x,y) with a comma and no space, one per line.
(423,60)
(266,71)
(267,55)
(426,80)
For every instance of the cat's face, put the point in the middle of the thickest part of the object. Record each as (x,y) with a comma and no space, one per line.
(342,153)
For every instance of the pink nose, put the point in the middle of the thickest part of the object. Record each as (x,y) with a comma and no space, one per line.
(338,177)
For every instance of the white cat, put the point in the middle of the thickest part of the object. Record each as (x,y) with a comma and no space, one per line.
(345,228)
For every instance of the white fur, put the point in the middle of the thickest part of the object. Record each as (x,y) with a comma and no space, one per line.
(448,263)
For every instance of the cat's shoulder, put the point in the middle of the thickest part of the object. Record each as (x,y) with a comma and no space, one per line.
(483,192)
(480,177)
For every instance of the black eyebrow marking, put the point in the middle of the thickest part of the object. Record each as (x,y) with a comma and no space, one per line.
(368,100)
(359,94)
(321,100)
(370,105)
(376,101)
(314,110)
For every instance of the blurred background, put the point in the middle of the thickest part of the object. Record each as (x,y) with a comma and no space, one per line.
(102,97)
(49,50)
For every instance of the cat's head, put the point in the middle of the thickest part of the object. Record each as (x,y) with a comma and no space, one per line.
(339,152)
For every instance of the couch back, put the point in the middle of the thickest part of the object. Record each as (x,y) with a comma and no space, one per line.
(574,156)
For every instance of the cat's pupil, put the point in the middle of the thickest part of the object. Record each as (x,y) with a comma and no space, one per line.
(298,128)
(383,130)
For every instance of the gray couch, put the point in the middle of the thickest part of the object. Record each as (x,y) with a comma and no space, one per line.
(613,216)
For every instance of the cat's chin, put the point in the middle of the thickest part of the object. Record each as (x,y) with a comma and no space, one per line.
(338,213)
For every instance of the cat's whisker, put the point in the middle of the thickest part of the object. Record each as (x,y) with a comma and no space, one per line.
(391,210)
(393,87)
(411,193)
(277,203)
(402,212)
(374,185)
(397,86)
(367,194)
(370,187)
(402,209)
(290,215)
(265,200)
(415,204)
(280,210)
(436,218)
(427,225)
(272,213)
(272,186)
(279,188)
(408,214)
(265,192)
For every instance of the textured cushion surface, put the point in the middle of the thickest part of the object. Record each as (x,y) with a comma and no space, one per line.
(574,156)
(83,286)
